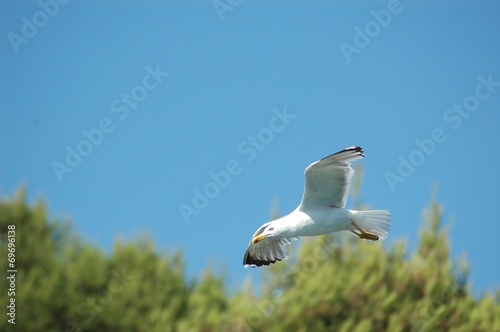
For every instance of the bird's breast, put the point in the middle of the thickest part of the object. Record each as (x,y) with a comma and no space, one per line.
(322,221)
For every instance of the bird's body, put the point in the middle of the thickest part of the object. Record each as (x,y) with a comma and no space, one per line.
(315,222)
(321,211)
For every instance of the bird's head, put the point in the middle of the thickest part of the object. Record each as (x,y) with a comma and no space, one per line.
(266,230)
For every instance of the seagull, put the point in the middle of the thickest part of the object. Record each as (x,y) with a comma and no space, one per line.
(321,211)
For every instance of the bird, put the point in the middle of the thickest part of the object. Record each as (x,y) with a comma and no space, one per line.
(321,211)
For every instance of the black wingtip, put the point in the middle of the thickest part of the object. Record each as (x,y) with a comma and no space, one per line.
(249,261)
(353,148)
(357,149)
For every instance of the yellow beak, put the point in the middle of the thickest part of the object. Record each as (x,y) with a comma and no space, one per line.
(258,238)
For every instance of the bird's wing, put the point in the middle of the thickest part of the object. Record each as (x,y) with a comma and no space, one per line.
(328,181)
(268,251)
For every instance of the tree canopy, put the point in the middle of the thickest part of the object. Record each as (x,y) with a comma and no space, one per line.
(332,283)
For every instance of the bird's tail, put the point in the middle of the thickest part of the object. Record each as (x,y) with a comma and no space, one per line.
(376,222)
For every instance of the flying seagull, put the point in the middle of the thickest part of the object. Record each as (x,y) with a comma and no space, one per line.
(321,211)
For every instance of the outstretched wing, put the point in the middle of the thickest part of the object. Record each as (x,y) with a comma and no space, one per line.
(328,181)
(265,252)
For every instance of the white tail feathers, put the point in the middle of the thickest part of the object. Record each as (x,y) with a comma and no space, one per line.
(377,222)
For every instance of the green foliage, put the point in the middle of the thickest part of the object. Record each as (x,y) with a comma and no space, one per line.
(332,283)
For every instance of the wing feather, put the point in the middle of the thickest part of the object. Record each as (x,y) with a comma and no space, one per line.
(328,181)
(265,252)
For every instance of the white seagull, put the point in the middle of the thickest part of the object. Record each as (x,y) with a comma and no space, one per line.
(321,211)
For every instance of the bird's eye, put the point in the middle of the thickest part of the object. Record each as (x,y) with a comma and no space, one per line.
(271,229)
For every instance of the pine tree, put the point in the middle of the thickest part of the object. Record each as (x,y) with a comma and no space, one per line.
(332,283)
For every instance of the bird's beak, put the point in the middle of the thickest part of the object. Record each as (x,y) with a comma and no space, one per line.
(258,238)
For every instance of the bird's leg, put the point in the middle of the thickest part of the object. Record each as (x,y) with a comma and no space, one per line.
(364,234)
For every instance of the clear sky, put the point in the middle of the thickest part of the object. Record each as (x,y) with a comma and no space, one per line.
(121,113)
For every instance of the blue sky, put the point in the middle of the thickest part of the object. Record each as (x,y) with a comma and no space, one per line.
(118,113)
